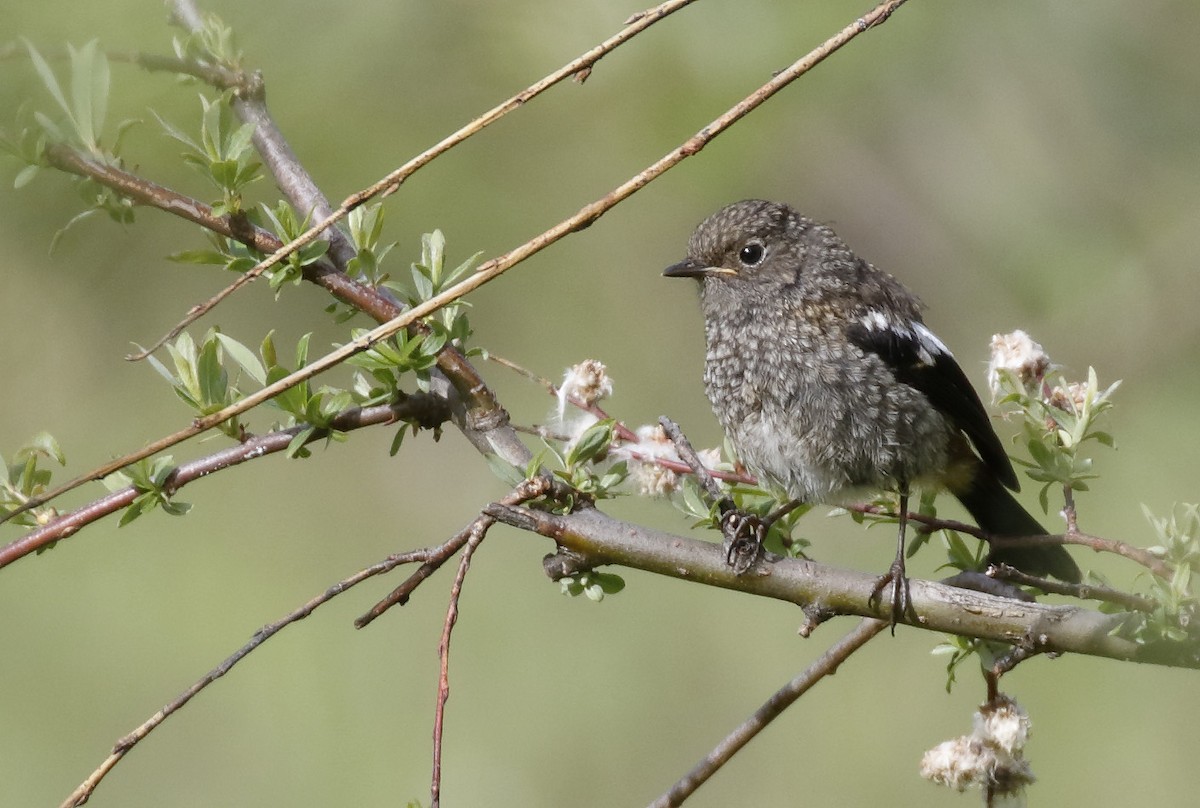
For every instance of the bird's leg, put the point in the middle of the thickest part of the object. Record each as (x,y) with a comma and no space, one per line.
(895,575)
(744,533)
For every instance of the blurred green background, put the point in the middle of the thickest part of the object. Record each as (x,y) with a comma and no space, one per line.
(1032,165)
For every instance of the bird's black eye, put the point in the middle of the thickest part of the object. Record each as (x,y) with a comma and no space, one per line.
(752,254)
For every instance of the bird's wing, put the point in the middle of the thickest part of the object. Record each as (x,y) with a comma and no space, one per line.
(920,360)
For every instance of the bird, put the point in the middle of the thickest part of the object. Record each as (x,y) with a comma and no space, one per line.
(831,387)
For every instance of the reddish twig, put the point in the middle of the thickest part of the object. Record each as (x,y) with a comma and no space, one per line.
(426,408)
(478,532)
(1136,554)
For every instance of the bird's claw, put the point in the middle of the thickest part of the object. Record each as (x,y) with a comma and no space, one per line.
(743,544)
(901,602)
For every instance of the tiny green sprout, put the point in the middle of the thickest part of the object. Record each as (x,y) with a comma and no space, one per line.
(592,585)
(150,478)
(24,479)
(224,154)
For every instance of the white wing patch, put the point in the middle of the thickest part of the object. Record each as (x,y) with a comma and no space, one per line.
(924,342)
(930,344)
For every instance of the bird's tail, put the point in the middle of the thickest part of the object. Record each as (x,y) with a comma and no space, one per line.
(997,511)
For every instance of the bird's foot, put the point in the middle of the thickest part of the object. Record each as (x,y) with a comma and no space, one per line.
(901,602)
(743,544)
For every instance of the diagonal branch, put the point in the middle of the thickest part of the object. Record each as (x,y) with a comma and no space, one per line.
(783,698)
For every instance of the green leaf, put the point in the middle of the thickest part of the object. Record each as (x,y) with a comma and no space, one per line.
(295,447)
(198,257)
(244,357)
(26,175)
(47,76)
(45,443)
(302,350)
(506,471)
(213,380)
(594,441)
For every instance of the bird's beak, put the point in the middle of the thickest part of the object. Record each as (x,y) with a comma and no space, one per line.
(691,268)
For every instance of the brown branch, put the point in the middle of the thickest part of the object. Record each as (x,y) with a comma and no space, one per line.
(827,665)
(421,407)
(150,194)
(122,747)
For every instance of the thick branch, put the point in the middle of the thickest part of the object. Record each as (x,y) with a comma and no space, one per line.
(603,540)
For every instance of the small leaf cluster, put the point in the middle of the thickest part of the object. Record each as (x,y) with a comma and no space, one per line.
(150,477)
(430,278)
(584,462)
(592,585)
(288,226)
(365,224)
(25,478)
(201,380)
(408,352)
(1175,618)
(83,105)
(224,155)
(212,43)
(1057,425)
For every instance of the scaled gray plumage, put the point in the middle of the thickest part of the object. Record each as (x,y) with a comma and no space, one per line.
(829,384)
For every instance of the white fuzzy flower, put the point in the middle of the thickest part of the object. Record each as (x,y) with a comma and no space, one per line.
(1003,723)
(1018,354)
(958,764)
(588,381)
(992,755)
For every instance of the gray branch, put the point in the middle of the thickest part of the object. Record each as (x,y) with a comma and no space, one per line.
(1039,627)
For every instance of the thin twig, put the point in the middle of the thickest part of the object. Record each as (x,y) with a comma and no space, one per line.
(81,794)
(1101,545)
(1069,511)
(478,532)
(494,268)
(683,448)
(1105,594)
(827,665)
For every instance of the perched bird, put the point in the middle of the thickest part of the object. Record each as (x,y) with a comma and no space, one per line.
(830,386)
